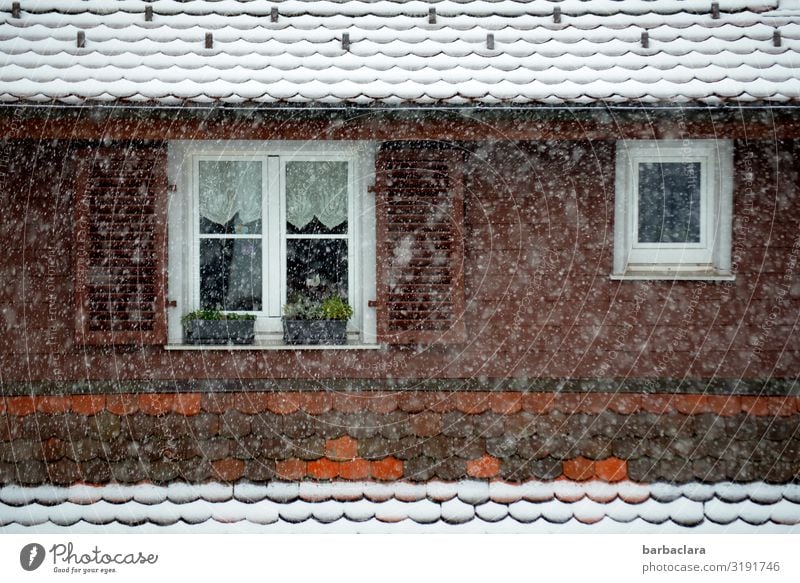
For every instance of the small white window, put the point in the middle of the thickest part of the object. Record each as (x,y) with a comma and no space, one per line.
(253,223)
(672,216)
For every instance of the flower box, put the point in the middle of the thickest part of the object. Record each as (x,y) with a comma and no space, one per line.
(297,332)
(219,331)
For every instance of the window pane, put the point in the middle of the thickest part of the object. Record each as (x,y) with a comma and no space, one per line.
(230,274)
(316,267)
(230,197)
(316,197)
(669,202)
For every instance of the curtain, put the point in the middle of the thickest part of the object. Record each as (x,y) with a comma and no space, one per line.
(316,189)
(228,188)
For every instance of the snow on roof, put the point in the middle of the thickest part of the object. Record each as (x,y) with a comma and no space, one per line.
(466,506)
(485,52)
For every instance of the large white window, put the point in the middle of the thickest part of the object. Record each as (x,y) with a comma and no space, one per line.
(672,214)
(254,224)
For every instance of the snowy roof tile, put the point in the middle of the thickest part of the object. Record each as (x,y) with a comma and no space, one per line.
(348,507)
(396,56)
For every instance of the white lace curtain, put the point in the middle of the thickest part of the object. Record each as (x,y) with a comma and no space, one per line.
(313,189)
(228,188)
(316,189)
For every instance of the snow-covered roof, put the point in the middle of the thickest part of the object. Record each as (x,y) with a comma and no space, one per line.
(486,52)
(466,506)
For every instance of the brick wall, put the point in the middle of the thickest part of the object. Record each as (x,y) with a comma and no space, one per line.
(539,230)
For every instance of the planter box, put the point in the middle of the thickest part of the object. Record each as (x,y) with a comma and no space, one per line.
(219,331)
(314,331)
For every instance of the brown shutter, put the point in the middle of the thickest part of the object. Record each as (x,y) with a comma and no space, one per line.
(120,202)
(420,229)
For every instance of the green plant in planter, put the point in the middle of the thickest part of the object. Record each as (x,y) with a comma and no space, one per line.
(335,308)
(310,321)
(301,307)
(215,327)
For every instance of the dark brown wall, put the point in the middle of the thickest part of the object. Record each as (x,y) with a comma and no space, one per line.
(539,240)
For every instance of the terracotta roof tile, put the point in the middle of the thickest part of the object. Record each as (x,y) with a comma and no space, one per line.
(282,403)
(344,448)
(88,404)
(123,404)
(315,403)
(291,469)
(426,424)
(52,404)
(20,405)
(156,403)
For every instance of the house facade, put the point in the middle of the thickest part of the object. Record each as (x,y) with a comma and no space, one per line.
(568,232)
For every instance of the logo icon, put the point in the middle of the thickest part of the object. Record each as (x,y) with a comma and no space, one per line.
(31,556)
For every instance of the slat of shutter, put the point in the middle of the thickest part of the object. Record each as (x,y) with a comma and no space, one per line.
(120,238)
(420,222)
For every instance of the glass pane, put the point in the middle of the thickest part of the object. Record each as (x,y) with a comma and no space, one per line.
(669,202)
(230,274)
(230,197)
(316,268)
(316,197)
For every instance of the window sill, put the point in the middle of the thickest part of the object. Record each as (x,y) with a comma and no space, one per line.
(273,346)
(672,276)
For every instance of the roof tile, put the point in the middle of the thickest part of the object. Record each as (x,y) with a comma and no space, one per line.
(389,468)
(228,470)
(234,423)
(291,469)
(344,448)
(357,469)
(309,449)
(122,404)
(282,403)
(391,59)
(382,403)
(188,403)
(315,403)
(426,424)
(87,404)
(505,403)
(156,403)
(20,405)
(420,468)
(323,469)
(484,467)
(52,404)
(472,403)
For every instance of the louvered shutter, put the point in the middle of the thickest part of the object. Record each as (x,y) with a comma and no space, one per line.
(120,244)
(420,228)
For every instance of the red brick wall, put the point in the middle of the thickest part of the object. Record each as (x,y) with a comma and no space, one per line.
(539,238)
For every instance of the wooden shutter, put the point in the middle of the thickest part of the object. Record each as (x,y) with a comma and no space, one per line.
(120,249)
(420,229)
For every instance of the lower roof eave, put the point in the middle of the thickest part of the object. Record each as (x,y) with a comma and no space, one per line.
(468,506)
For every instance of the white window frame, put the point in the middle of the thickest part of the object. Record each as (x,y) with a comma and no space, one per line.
(184,239)
(708,259)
